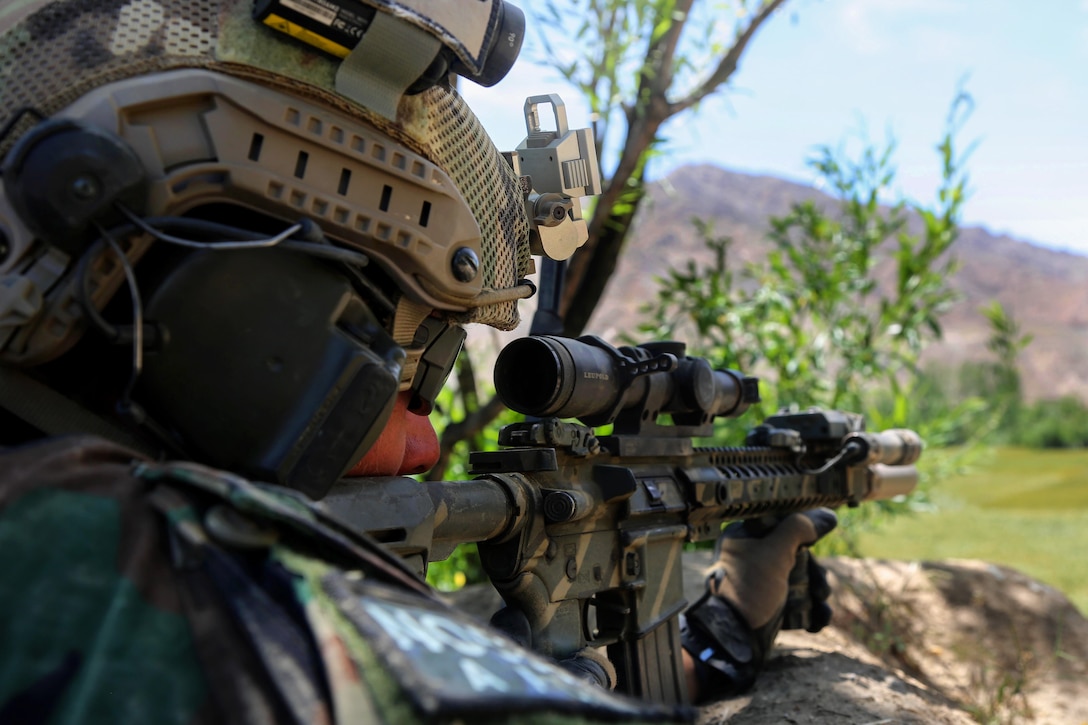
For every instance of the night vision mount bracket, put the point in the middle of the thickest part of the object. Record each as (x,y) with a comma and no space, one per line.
(556,168)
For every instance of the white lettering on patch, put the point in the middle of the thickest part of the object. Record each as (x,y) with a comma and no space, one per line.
(482,679)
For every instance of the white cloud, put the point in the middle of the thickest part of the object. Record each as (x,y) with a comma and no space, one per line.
(877,27)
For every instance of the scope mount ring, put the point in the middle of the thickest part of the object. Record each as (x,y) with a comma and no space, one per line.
(629,368)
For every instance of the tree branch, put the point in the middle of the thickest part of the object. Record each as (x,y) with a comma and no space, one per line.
(727,66)
(591,266)
(471,426)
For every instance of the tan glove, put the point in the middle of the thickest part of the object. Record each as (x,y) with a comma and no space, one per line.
(763,579)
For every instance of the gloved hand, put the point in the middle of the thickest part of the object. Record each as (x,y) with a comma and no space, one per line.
(763,580)
(593,666)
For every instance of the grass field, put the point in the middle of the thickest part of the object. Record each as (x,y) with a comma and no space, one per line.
(1027,509)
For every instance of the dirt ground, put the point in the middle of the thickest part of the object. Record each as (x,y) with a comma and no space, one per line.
(933,642)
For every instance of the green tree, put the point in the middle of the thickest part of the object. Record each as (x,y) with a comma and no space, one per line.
(1006,342)
(1061,423)
(839,312)
(813,318)
(980,400)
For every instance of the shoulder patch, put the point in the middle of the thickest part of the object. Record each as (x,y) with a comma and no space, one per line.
(450,664)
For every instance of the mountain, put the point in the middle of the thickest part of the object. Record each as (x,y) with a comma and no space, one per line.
(1045,291)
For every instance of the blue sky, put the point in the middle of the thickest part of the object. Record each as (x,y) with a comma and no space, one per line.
(823,71)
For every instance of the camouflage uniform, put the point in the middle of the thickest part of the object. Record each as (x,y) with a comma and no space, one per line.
(174,593)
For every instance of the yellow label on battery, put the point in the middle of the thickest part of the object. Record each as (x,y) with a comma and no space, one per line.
(310,38)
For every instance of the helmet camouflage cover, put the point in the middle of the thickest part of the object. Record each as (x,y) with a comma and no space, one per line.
(54,53)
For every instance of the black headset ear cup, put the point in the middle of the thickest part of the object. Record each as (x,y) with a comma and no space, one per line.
(270,365)
(62,176)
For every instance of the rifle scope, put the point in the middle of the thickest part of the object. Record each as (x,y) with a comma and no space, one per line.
(587,378)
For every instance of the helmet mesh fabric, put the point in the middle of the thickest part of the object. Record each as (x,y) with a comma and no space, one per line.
(490,188)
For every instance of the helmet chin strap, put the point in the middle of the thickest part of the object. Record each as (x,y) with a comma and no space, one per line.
(407,318)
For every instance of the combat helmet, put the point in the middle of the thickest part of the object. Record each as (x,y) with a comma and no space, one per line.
(299,217)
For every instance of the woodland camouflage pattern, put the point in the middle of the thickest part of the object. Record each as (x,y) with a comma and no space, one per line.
(171,593)
(52,54)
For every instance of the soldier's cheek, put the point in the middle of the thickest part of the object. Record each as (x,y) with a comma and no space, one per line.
(386,455)
(408,444)
(420,445)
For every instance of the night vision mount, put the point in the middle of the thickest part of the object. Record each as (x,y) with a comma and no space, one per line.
(556,168)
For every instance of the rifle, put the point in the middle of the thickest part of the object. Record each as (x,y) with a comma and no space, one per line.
(582,534)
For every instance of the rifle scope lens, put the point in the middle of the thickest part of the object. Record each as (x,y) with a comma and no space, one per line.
(527,376)
(553,376)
